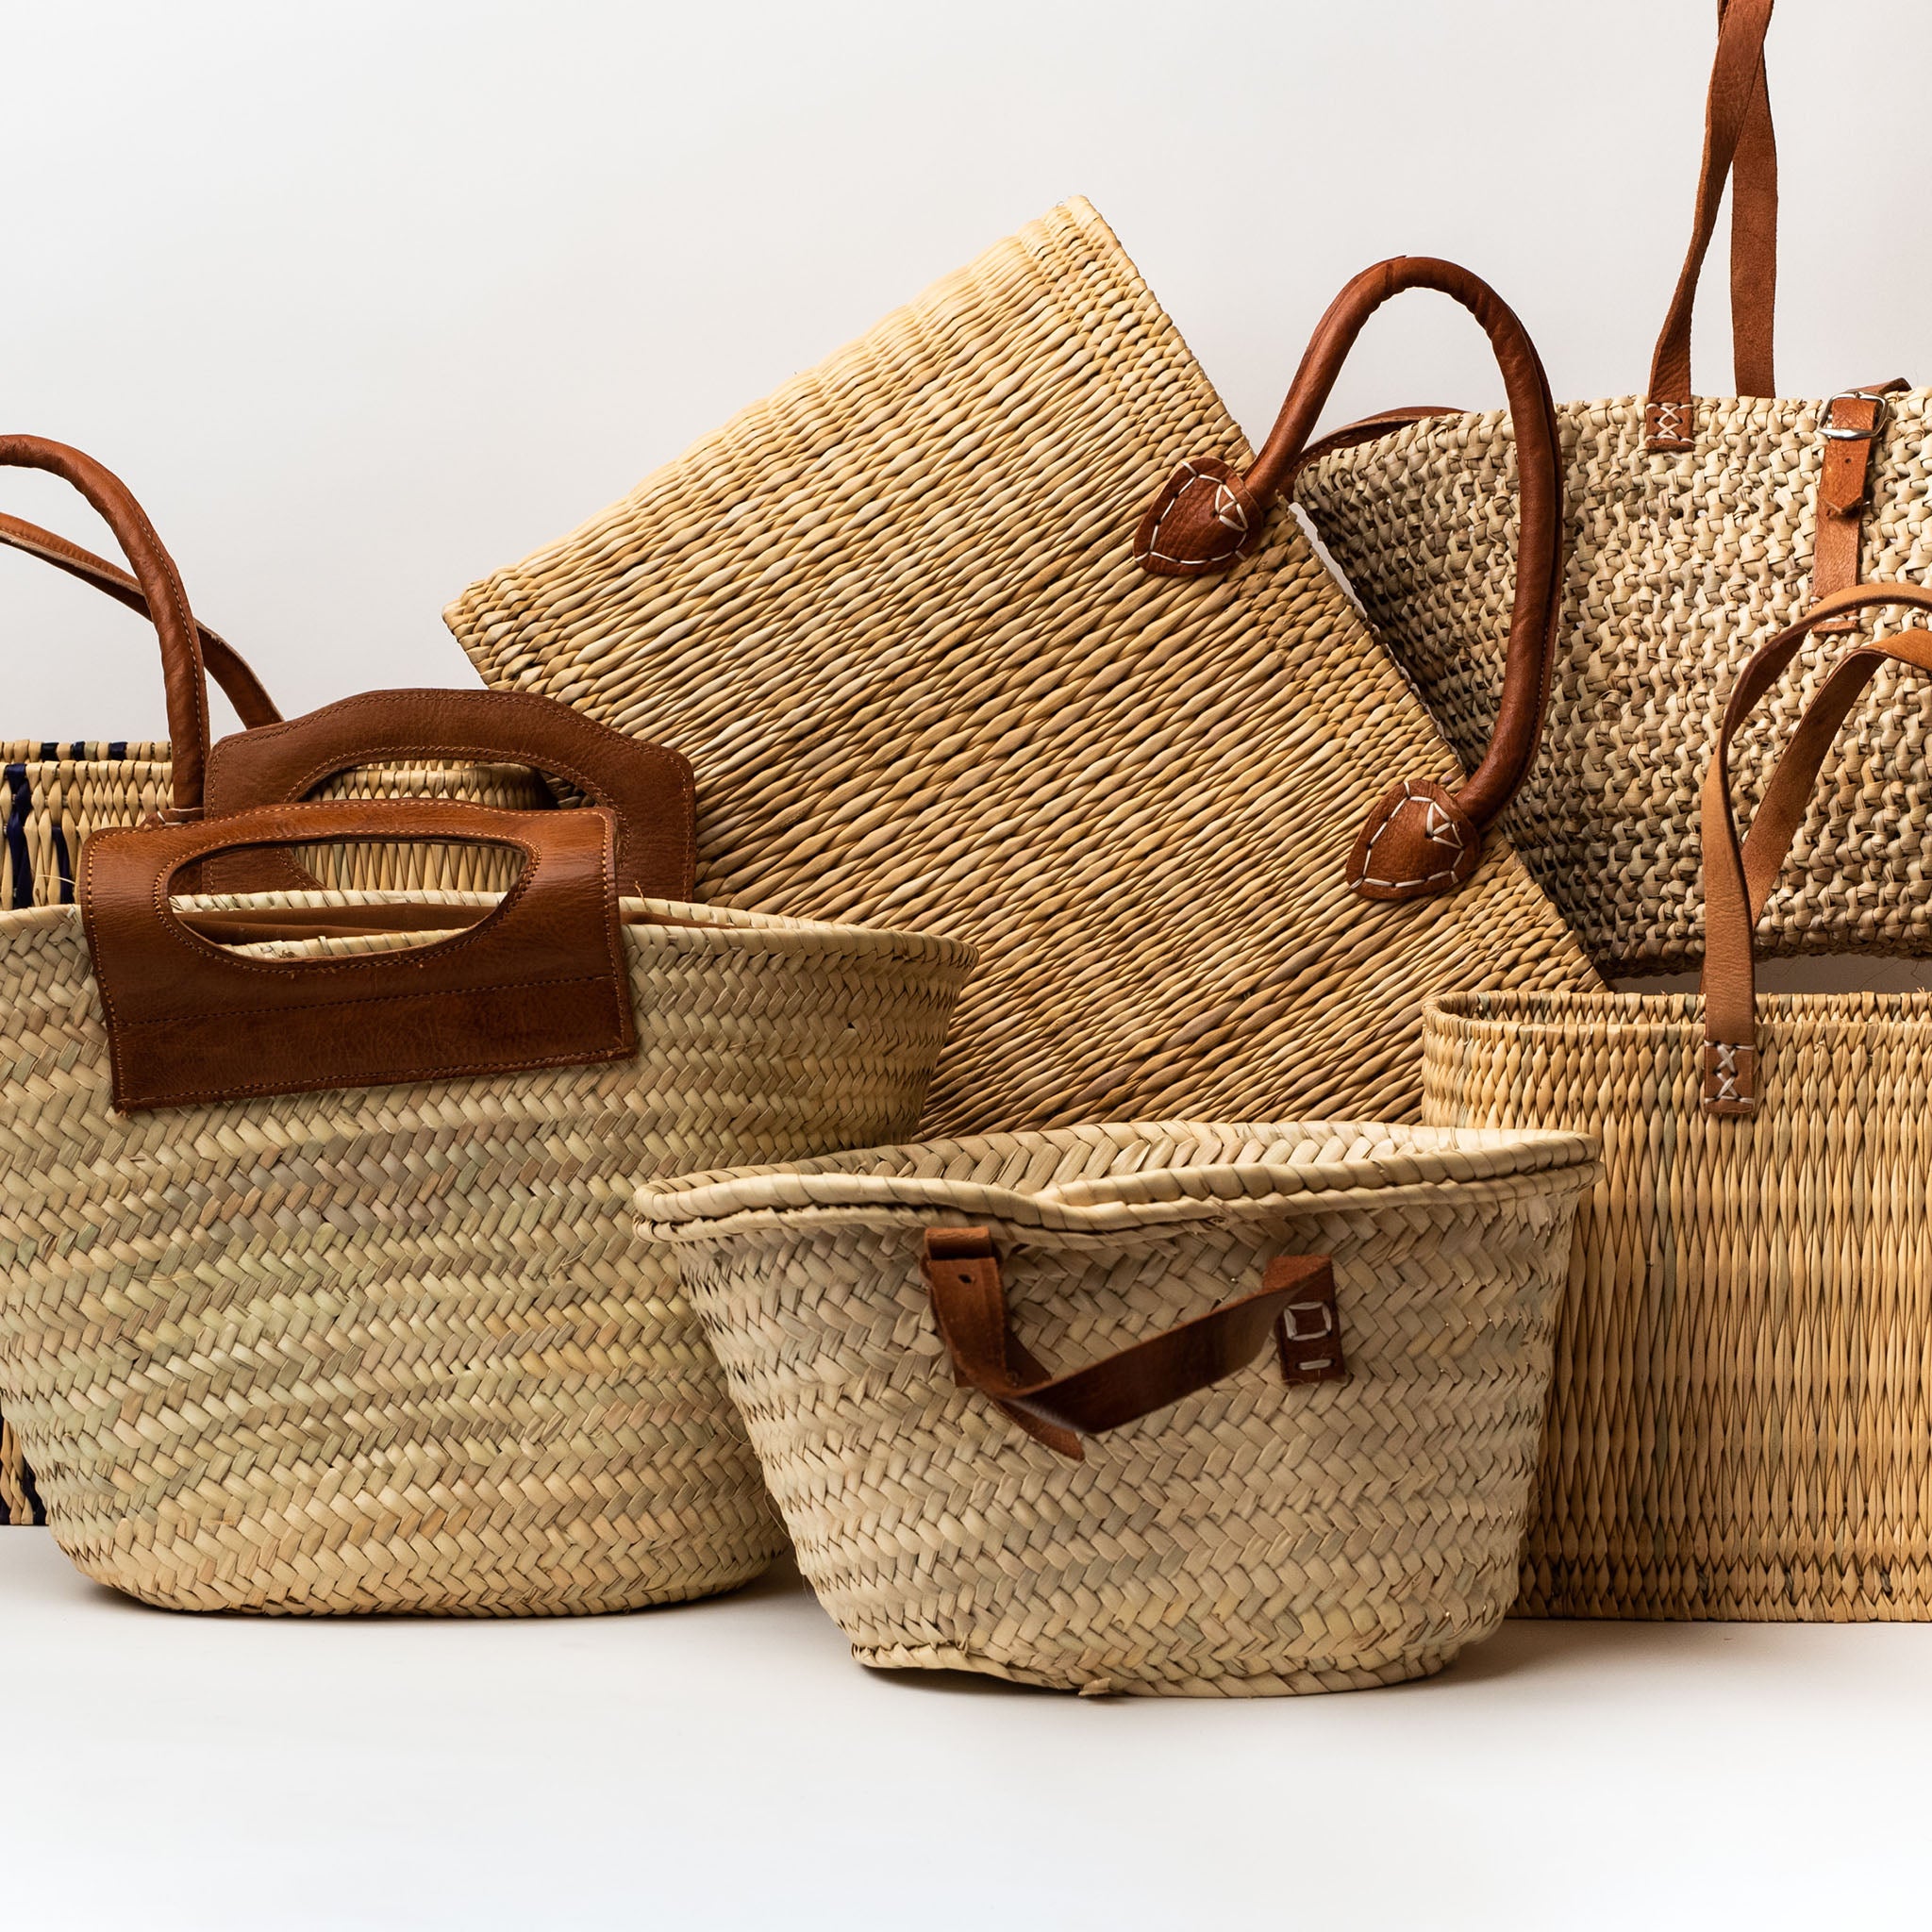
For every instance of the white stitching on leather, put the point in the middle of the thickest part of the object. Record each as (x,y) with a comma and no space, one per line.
(1439,827)
(1225,501)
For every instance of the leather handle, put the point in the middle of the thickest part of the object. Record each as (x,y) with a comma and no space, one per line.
(1420,840)
(219,658)
(647,788)
(1738,147)
(961,1271)
(541,981)
(1737,877)
(161,588)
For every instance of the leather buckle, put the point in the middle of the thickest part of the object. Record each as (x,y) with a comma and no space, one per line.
(1845,433)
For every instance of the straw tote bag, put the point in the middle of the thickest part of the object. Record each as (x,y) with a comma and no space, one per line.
(320,1289)
(1738,1426)
(416,744)
(1697,526)
(893,615)
(1301,1381)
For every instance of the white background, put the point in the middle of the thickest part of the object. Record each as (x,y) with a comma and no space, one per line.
(364,300)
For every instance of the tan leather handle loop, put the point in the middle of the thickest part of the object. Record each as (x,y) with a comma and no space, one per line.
(1738,875)
(647,788)
(1738,147)
(541,981)
(160,587)
(962,1275)
(221,661)
(1421,840)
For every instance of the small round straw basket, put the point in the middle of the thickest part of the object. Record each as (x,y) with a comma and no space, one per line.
(1257,1537)
(399,1348)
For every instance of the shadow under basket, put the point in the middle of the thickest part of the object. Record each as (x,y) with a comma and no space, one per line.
(1362,1315)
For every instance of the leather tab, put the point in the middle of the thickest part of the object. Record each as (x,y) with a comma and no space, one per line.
(1308,1332)
(1418,841)
(1853,422)
(646,788)
(541,981)
(1201,522)
(961,1271)
(1669,425)
(1730,1079)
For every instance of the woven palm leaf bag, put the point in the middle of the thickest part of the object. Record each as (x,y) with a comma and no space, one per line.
(894,615)
(55,794)
(1697,527)
(397,1346)
(1739,1422)
(1303,1378)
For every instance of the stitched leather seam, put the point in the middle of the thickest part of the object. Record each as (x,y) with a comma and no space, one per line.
(1410,797)
(1207,562)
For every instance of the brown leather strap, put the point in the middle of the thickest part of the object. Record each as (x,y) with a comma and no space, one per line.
(646,788)
(1852,423)
(220,658)
(1420,840)
(1296,1302)
(160,586)
(541,981)
(1739,146)
(1736,886)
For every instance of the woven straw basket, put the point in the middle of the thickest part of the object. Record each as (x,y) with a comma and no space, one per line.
(399,1348)
(1739,1422)
(1356,1528)
(1697,528)
(893,616)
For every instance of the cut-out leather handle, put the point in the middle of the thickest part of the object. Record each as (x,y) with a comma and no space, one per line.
(1738,147)
(160,589)
(1737,877)
(223,663)
(1296,1302)
(647,788)
(1420,840)
(540,982)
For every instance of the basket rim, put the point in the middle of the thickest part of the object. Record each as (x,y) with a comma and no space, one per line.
(1398,1164)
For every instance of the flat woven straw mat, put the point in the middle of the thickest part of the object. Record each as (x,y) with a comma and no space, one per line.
(1739,1426)
(1679,566)
(891,615)
(1251,1539)
(400,1348)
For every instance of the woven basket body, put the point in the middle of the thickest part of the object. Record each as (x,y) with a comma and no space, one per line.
(1738,1423)
(1250,1539)
(892,615)
(399,1348)
(1679,566)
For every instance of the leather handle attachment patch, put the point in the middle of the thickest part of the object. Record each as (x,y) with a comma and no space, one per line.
(1296,1303)
(541,981)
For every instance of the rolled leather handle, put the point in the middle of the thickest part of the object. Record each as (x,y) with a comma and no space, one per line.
(1737,877)
(219,658)
(161,591)
(541,981)
(647,788)
(1420,840)
(1295,1301)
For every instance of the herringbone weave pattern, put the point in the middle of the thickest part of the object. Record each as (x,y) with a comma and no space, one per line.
(1251,1539)
(400,1348)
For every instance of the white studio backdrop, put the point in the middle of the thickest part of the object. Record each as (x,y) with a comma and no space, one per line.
(364,300)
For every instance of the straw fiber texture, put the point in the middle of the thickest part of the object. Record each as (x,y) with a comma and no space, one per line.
(400,1348)
(1253,1538)
(892,615)
(1739,1426)
(52,795)
(1679,566)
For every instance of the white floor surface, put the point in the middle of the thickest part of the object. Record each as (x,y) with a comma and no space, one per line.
(726,1764)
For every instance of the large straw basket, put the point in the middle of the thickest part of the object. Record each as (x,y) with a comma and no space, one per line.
(398,1347)
(893,616)
(1738,1425)
(1696,528)
(1353,1528)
